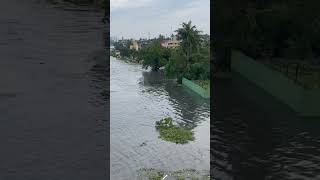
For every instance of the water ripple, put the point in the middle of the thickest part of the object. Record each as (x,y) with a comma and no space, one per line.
(140,98)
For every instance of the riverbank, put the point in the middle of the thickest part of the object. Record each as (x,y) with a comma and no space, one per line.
(126,59)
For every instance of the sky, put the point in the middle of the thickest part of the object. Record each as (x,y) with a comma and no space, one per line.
(137,18)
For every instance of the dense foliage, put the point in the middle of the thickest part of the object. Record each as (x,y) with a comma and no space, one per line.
(154,56)
(192,58)
(123,48)
(269,29)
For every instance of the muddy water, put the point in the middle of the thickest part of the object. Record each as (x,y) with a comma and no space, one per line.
(52,115)
(140,98)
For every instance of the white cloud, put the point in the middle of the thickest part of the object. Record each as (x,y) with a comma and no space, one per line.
(198,11)
(126,4)
(161,16)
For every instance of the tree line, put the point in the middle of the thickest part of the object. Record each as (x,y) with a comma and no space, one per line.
(267,29)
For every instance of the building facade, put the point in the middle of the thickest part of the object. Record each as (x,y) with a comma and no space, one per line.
(172,43)
(135,45)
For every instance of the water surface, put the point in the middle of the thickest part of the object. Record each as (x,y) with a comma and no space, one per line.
(140,98)
(255,136)
(52,116)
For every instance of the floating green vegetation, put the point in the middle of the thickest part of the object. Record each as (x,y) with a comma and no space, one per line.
(150,174)
(186,174)
(173,133)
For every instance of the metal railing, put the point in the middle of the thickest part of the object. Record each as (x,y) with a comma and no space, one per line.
(302,73)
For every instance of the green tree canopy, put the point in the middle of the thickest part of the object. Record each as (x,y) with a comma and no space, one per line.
(190,39)
(154,56)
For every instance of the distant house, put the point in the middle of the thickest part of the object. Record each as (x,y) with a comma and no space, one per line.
(171,43)
(135,45)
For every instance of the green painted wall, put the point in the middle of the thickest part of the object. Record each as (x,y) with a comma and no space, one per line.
(196,88)
(303,101)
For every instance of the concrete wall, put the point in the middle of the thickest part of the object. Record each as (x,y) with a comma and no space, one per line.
(196,88)
(305,102)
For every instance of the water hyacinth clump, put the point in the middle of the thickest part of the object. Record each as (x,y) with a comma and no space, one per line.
(150,174)
(185,174)
(173,133)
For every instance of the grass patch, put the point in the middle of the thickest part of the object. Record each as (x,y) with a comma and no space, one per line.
(173,133)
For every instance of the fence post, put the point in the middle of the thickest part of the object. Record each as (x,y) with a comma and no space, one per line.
(297,72)
(317,79)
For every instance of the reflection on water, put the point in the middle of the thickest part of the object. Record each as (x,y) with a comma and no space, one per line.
(99,81)
(191,108)
(254,136)
(138,100)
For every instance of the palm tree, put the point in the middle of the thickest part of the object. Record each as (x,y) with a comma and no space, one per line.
(172,36)
(190,37)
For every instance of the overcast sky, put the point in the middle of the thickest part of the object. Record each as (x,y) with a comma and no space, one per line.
(137,18)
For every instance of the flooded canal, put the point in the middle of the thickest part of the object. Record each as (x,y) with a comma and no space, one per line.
(138,99)
(254,136)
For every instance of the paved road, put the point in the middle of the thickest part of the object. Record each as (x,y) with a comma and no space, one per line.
(52,111)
